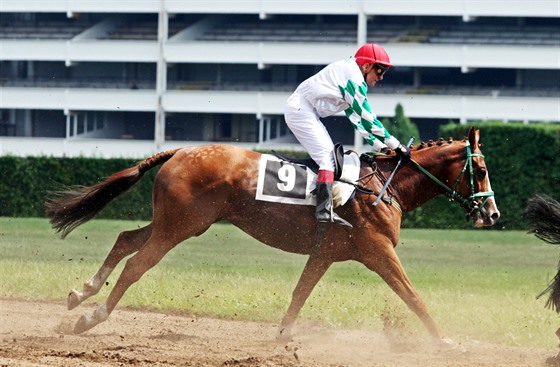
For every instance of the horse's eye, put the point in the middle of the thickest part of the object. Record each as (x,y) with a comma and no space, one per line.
(481,172)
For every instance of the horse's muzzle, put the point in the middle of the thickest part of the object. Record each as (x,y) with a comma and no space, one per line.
(485,216)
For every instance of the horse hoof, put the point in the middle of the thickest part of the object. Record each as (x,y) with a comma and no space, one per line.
(284,335)
(73,300)
(448,341)
(451,345)
(82,325)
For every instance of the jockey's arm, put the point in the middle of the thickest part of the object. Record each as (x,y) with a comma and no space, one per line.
(364,120)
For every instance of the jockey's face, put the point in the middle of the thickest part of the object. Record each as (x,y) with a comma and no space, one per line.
(370,74)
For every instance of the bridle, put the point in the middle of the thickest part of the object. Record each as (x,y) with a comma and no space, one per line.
(470,203)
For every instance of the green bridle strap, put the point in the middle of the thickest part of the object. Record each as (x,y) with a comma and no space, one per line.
(451,191)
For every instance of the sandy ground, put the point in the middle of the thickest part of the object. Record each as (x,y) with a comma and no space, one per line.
(33,334)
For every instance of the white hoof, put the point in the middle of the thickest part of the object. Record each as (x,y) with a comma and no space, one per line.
(451,345)
(73,300)
(84,323)
(284,335)
(448,341)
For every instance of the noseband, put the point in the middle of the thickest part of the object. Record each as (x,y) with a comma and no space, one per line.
(470,203)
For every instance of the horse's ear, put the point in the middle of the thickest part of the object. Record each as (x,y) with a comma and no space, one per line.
(473,137)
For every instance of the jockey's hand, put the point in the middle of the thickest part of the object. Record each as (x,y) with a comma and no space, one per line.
(403,152)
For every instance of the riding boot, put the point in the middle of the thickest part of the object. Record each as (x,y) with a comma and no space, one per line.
(324,211)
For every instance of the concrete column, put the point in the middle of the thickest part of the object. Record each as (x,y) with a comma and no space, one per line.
(362,28)
(161,76)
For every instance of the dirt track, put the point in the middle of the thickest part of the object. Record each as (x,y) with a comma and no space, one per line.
(33,334)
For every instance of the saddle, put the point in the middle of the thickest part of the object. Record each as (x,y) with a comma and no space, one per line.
(347,175)
(347,171)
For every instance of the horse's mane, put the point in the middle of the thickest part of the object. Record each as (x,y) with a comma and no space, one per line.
(390,153)
(431,143)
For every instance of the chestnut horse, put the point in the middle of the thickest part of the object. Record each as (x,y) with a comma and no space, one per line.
(198,186)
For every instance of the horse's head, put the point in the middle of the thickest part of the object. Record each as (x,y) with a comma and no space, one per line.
(472,187)
(458,169)
(485,211)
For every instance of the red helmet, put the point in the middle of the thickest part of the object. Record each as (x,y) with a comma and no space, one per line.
(372,53)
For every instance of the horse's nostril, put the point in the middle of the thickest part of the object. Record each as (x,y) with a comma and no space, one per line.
(495,216)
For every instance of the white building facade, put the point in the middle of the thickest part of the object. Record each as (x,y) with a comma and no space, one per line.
(128,79)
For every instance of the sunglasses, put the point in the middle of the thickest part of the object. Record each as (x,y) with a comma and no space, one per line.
(380,70)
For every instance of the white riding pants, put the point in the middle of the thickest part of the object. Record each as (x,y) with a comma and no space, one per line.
(305,124)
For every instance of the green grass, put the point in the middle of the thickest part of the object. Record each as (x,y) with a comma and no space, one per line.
(478,284)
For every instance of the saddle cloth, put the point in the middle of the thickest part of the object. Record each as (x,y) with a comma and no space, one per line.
(280,181)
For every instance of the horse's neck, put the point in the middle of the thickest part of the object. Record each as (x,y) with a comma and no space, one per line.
(415,187)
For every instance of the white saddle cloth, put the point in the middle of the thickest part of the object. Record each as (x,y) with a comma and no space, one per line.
(342,192)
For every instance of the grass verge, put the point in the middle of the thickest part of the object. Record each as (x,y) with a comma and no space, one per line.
(478,284)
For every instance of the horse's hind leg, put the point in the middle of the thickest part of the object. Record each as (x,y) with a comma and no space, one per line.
(127,243)
(147,256)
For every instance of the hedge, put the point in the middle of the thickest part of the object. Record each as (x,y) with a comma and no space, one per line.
(522,160)
(25,182)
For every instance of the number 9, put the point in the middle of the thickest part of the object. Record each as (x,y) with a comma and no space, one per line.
(286,174)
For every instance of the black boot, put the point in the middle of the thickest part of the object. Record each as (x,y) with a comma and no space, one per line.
(324,212)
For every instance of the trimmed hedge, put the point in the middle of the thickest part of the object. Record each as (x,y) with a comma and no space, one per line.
(25,182)
(522,160)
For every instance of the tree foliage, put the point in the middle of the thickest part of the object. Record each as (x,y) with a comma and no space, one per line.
(401,127)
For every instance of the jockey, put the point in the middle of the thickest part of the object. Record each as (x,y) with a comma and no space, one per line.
(340,86)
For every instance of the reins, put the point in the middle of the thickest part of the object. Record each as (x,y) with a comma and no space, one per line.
(469,203)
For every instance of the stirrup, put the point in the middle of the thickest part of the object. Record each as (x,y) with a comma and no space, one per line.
(339,220)
(336,219)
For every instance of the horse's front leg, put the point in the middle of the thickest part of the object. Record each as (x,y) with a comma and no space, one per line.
(385,262)
(127,243)
(314,270)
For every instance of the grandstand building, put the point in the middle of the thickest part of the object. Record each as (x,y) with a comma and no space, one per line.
(130,78)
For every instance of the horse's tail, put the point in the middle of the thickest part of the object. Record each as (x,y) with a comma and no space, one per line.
(69,208)
(543,214)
